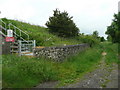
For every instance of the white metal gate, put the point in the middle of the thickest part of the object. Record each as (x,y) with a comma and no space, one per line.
(26,47)
(22,44)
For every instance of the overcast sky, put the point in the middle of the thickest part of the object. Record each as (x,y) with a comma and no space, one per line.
(89,15)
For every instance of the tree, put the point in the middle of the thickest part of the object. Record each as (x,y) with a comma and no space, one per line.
(113,30)
(109,38)
(102,39)
(95,33)
(62,24)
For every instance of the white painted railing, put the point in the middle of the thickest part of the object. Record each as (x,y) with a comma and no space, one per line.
(23,44)
(21,32)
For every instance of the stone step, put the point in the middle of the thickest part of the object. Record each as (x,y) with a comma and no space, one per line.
(30,54)
(14,51)
(26,52)
(16,47)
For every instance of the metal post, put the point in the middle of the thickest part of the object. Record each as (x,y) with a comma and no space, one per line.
(5,29)
(119,29)
(20,33)
(15,32)
(34,43)
(19,43)
(28,37)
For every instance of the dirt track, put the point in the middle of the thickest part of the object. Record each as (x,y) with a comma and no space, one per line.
(103,77)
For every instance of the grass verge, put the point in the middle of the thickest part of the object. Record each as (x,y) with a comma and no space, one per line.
(24,72)
(112,52)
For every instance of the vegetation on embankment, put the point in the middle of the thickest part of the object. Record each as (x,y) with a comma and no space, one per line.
(113,31)
(41,34)
(44,38)
(111,52)
(28,72)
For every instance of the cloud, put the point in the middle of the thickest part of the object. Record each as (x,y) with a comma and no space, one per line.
(88,15)
(17,10)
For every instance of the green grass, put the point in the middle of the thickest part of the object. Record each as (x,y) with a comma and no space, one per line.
(41,34)
(77,66)
(28,72)
(112,52)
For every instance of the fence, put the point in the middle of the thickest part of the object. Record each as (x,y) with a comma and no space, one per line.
(26,46)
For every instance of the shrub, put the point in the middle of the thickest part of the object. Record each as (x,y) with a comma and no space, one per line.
(89,39)
(62,24)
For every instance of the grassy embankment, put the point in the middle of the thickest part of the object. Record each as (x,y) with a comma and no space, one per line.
(41,34)
(112,52)
(28,72)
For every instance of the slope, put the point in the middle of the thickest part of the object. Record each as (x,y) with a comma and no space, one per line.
(41,34)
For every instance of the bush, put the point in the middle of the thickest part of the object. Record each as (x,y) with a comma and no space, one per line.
(91,40)
(62,25)
(112,52)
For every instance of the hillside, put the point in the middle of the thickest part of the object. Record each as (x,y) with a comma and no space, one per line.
(32,72)
(41,34)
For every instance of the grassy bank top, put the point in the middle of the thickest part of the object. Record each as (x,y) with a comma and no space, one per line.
(41,34)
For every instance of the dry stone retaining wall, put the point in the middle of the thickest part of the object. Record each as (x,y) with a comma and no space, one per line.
(59,53)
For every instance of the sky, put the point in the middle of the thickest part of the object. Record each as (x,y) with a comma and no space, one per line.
(88,15)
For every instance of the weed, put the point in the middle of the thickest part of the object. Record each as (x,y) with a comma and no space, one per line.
(31,71)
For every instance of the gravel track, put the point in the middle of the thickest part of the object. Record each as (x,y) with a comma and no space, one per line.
(103,77)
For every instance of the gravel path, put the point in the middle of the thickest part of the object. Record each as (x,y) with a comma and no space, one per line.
(47,85)
(103,77)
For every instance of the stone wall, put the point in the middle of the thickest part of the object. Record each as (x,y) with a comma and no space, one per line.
(59,53)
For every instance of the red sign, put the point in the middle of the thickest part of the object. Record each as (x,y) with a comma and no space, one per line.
(10,39)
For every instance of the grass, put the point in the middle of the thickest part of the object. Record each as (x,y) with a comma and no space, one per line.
(112,52)
(103,85)
(26,72)
(41,34)
(23,72)
(75,67)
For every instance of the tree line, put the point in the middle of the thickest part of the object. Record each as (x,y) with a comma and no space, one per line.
(61,24)
(113,31)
